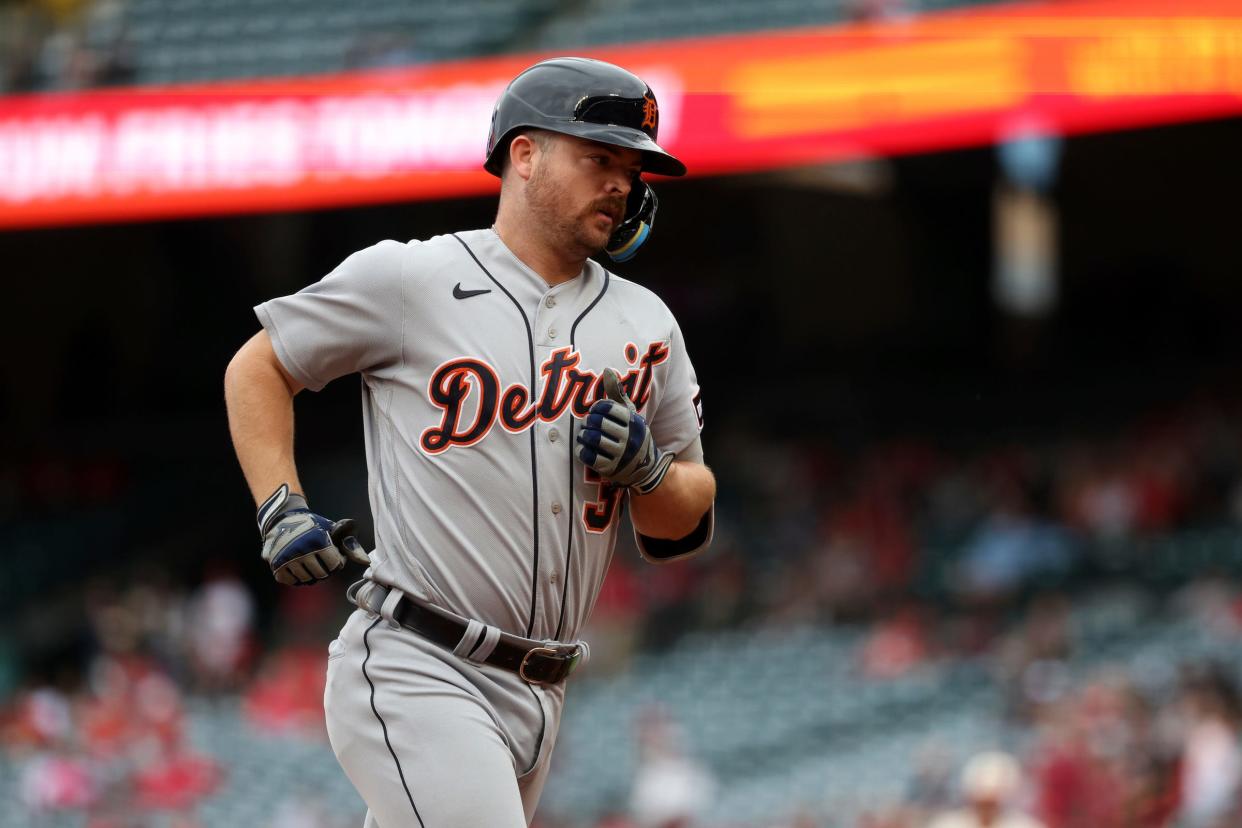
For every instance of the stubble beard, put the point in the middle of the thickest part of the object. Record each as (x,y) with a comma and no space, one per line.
(554,215)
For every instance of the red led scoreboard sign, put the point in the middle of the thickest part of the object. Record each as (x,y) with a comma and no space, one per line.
(727,104)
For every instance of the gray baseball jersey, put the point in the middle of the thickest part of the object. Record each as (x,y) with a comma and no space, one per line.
(475,373)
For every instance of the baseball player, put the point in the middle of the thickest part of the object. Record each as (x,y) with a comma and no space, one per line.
(515,395)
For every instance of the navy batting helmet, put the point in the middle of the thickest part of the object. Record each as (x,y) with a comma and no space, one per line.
(597,101)
(583,97)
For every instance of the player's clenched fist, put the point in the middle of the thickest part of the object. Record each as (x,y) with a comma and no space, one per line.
(300,546)
(616,442)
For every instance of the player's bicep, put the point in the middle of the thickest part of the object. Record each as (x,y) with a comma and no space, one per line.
(257,357)
(262,344)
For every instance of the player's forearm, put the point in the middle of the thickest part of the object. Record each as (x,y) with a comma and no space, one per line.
(677,505)
(260,411)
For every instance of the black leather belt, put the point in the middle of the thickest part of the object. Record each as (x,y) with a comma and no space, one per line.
(536,662)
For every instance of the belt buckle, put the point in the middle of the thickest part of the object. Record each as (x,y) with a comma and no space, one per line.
(561,658)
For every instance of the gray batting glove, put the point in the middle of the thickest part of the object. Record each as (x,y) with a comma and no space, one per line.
(616,442)
(300,546)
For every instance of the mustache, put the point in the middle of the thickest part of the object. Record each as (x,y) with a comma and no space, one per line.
(611,206)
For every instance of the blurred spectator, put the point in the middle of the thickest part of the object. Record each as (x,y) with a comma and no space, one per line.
(220,632)
(304,810)
(1031,659)
(990,782)
(671,790)
(1211,769)
(287,695)
(896,645)
(65,45)
(1011,550)
(55,776)
(1099,760)
(23,27)
(57,781)
(103,50)
(877,10)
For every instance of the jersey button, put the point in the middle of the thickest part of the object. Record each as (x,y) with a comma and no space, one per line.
(553,578)
(556,508)
(551,333)
(550,302)
(553,435)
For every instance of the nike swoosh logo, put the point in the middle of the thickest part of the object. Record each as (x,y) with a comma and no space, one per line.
(458,293)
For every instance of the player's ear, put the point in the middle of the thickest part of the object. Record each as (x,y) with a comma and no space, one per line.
(522,152)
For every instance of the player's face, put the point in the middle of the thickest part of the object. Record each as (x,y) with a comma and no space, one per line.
(578,188)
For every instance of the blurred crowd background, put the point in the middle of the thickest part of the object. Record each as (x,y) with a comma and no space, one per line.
(51,45)
(974,415)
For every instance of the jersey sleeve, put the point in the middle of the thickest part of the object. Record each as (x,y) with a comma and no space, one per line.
(678,418)
(675,426)
(350,320)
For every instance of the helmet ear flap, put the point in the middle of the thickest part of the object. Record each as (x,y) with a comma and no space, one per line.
(632,232)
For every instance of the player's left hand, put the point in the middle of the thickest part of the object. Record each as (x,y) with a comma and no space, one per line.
(616,442)
(302,547)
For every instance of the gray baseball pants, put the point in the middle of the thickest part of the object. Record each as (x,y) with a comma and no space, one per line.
(431,740)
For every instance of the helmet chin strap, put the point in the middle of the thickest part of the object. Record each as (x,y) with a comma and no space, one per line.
(634,229)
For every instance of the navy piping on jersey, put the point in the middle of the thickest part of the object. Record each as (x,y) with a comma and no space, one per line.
(534,466)
(367,643)
(573,522)
(534,485)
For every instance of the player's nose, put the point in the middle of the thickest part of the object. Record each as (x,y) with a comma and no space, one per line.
(620,182)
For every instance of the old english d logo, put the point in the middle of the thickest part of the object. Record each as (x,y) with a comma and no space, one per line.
(651,112)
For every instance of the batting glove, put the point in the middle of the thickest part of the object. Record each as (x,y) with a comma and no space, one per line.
(300,546)
(616,442)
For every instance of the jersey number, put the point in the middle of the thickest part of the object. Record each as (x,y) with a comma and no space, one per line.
(598,514)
